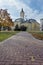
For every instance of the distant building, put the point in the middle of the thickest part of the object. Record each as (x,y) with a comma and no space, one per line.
(21,19)
(31,24)
(41,24)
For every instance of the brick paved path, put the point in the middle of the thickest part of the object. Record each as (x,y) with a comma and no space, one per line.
(21,49)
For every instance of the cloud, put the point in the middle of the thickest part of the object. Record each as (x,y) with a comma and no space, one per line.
(14,7)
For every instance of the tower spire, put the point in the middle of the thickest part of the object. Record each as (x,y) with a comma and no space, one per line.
(22,13)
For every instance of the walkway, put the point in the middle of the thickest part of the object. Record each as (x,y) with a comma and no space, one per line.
(21,49)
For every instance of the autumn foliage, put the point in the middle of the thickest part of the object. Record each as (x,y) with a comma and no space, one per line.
(38,35)
(5,19)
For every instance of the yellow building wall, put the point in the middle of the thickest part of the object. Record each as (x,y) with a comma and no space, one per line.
(30,26)
(35,26)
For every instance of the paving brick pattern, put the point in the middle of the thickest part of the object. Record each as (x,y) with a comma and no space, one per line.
(21,49)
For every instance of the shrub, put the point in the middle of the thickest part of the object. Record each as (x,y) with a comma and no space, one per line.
(23,28)
(17,28)
(38,35)
(0,28)
(6,28)
(9,28)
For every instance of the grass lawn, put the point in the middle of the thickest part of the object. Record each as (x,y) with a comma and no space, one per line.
(5,35)
(37,34)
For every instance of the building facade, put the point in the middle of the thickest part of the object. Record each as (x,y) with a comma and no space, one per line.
(41,24)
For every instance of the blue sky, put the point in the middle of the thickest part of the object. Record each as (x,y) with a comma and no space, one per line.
(32,8)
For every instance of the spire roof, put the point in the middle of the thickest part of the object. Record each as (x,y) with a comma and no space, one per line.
(22,10)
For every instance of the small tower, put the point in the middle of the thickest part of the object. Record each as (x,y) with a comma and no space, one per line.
(22,14)
(41,24)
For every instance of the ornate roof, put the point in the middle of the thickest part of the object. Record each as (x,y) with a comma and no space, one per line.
(19,20)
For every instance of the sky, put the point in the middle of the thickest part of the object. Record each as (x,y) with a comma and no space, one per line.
(32,8)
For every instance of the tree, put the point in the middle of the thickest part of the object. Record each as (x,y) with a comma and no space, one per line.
(23,28)
(5,19)
(17,28)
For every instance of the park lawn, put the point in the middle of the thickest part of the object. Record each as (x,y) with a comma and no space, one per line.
(37,34)
(5,35)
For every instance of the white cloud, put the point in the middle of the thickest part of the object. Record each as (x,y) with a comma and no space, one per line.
(17,4)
